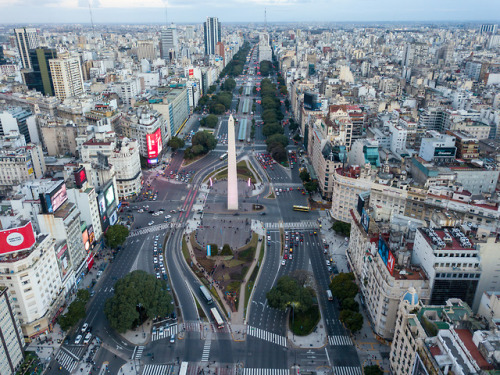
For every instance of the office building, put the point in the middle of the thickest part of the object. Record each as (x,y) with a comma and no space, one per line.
(439,148)
(11,335)
(16,119)
(40,77)
(66,77)
(488,29)
(212,34)
(145,50)
(169,43)
(26,39)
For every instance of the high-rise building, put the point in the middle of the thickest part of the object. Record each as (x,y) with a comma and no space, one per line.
(145,50)
(40,77)
(11,352)
(26,39)
(488,29)
(2,57)
(212,34)
(169,43)
(66,77)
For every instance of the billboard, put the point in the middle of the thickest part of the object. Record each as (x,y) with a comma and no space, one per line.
(386,255)
(102,204)
(109,196)
(17,239)
(90,229)
(153,161)
(54,199)
(308,101)
(154,144)
(445,152)
(113,218)
(191,72)
(80,177)
(85,238)
(63,260)
(365,220)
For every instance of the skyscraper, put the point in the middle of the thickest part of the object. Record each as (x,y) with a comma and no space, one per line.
(212,34)
(40,78)
(26,39)
(145,50)
(169,43)
(66,77)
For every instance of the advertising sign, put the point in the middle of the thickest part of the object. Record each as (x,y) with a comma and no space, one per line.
(17,239)
(154,144)
(109,194)
(386,255)
(153,161)
(80,176)
(209,250)
(56,197)
(113,218)
(191,72)
(90,260)
(90,229)
(102,204)
(445,151)
(365,220)
(63,260)
(85,238)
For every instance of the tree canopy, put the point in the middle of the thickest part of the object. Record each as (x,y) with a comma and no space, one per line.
(288,292)
(373,370)
(342,228)
(138,296)
(116,235)
(210,121)
(276,138)
(175,143)
(229,84)
(343,286)
(202,143)
(353,320)
(266,68)
(76,310)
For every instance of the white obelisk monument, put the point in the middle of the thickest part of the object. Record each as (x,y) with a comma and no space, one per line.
(232,178)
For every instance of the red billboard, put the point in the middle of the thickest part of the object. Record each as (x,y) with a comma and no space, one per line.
(191,72)
(154,144)
(17,239)
(80,176)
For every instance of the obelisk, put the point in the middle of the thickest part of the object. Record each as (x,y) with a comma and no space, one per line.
(232,178)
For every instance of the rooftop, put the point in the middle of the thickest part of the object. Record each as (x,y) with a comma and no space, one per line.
(447,239)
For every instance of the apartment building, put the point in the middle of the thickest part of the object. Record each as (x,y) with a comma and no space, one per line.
(11,335)
(67,77)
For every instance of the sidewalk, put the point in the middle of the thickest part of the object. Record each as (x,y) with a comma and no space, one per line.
(316,339)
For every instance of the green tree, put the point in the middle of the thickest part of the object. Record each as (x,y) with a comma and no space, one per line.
(277,138)
(342,228)
(278,153)
(176,143)
(288,292)
(304,175)
(116,235)
(225,99)
(293,125)
(272,128)
(138,296)
(210,121)
(283,90)
(265,68)
(350,304)
(218,109)
(226,250)
(343,286)
(229,84)
(76,310)
(205,139)
(352,320)
(83,295)
(212,89)
(269,116)
(311,186)
(373,370)
(197,150)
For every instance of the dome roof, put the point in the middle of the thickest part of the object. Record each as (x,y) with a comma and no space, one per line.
(411,296)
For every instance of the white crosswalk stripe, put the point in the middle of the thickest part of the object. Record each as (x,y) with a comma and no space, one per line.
(138,352)
(265,335)
(339,340)
(206,351)
(306,224)
(158,370)
(166,333)
(66,360)
(266,371)
(346,370)
(154,228)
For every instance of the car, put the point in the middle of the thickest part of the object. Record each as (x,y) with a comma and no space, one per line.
(290,257)
(155,260)
(78,339)
(87,338)
(172,338)
(92,293)
(157,275)
(161,330)
(168,217)
(283,262)
(327,262)
(173,211)
(151,223)
(285,256)
(85,327)
(99,273)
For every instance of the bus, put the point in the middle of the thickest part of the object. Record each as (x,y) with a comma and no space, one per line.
(206,294)
(217,317)
(329,295)
(184,368)
(223,157)
(301,208)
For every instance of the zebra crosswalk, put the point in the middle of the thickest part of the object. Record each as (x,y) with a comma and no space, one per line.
(154,228)
(206,351)
(137,354)
(158,370)
(347,370)
(306,224)
(339,340)
(165,333)
(268,336)
(67,361)
(265,371)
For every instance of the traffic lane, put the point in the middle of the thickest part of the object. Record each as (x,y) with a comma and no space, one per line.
(344,356)
(329,309)
(221,349)
(264,354)
(286,201)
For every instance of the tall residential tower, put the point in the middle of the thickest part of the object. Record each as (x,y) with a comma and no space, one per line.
(212,34)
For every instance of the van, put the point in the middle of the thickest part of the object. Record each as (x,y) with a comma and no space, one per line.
(329,295)
(172,338)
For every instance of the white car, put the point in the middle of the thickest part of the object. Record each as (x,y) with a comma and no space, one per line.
(78,339)
(88,336)
(155,260)
(151,223)
(283,262)
(85,327)
(327,262)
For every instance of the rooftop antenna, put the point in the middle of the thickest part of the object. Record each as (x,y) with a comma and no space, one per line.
(166,13)
(91,20)
(265,19)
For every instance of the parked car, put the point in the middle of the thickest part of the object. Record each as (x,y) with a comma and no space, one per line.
(78,339)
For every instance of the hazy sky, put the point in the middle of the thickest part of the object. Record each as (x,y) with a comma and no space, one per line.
(195,11)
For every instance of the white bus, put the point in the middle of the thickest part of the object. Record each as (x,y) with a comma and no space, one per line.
(184,368)
(217,317)
(329,295)
(224,156)
(206,294)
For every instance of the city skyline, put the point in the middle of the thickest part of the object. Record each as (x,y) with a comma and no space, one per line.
(194,11)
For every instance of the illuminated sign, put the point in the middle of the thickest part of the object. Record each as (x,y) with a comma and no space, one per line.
(85,238)
(110,196)
(191,72)
(90,229)
(365,220)
(154,144)
(102,204)
(445,151)
(386,255)
(54,199)
(17,239)
(63,260)
(80,176)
